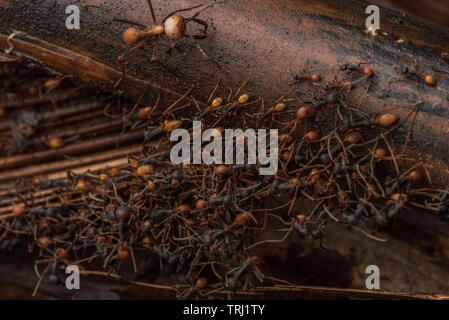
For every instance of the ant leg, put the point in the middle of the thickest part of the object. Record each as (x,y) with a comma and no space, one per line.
(155,50)
(203,9)
(204,53)
(129,22)
(322,246)
(152,11)
(176,47)
(154,58)
(181,10)
(130,115)
(123,57)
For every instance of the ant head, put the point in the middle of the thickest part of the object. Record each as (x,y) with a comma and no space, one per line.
(144,113)
(175,27)
(18,209)
(255,261)
(131,35)
(44,242)
(123,253)
(61,253)
(201,283)
(171,125)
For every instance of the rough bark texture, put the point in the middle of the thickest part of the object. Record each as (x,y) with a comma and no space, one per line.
(259,40)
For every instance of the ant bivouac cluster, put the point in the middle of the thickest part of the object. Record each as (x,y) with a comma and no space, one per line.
(200,222)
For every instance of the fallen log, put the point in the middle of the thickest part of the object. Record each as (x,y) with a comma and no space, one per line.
(263,42)
(277,36)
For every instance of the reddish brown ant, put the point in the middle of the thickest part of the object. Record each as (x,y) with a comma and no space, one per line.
(173,26)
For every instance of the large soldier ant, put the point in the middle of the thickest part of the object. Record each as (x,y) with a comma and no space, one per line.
(174,26)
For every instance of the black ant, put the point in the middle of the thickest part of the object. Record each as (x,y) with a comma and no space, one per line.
(251,268)
(331,98)
(200,284)
(305,75)
(349,67)
(354,68)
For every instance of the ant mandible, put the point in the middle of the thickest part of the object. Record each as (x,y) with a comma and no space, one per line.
(173,26)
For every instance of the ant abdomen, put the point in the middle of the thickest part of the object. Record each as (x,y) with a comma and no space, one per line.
(131,35)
